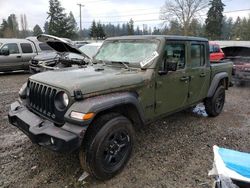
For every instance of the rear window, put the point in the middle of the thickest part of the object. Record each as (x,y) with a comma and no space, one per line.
(26,48)
(214,48)
(197,55)
(44,47)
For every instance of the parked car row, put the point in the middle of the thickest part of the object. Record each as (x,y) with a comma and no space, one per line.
(36,56)
(31,54)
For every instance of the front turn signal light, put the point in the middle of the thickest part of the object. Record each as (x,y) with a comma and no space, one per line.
(81,116)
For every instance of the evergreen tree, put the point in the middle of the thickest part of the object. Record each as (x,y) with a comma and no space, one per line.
(214,20)
(137,31)
(156,31)
(145,29)
(58,20)
(12,26)
(175,28)
(124,29)
(244,31)
(3,28)
(130,27)
(195,28)
(9,27)
(93,30)
(100,31)
(227,27)
(71,27)
(237,29)
(46,27)
(37,30)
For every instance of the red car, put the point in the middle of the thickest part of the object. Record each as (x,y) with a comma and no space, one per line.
(216,53)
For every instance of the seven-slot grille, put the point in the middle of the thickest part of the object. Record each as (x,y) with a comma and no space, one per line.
(41,99)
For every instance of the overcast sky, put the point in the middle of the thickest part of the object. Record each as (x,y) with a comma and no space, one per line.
(104,10)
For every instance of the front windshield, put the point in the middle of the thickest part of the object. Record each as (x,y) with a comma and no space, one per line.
(1,44)
(132,52)
(45,47)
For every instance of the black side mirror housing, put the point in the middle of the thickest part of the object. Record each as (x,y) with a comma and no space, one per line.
(5,52)
(172,66)
(162,72)
(168,66)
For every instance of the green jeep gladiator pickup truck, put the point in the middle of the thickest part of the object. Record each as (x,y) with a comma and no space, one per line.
(132,81)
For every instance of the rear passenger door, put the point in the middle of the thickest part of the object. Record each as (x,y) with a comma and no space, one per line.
(172,88)
(198,71)
(28,52)
(13,60)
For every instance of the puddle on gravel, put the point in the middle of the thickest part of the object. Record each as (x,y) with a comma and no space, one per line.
(200,110)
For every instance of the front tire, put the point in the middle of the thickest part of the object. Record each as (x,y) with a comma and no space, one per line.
(108,146)
(215,104)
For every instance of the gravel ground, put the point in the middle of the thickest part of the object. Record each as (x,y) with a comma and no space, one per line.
(174,152)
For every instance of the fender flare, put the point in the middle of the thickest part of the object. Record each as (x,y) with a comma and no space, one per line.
(216,80)
(101,103)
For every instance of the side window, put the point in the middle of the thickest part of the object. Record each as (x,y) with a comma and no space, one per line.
(26,48)
(44,47)
(176,53)
(211,48)
(13,48)
(216,49)
(197,55)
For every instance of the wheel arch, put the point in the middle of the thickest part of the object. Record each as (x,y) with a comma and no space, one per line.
(125,103)
(219,79)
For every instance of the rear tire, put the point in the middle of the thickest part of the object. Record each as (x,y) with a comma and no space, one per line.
(215,104)
(107,146)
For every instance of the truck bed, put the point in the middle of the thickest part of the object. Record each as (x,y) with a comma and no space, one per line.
(222,66)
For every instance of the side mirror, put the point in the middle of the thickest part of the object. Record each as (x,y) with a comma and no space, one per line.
(168,66)
(162,72)
(5,52)
(172,66)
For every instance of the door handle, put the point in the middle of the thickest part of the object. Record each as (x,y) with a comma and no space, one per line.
(203,74)
(184,78)
(18,56)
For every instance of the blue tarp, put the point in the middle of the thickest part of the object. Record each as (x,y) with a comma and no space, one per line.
(236,161)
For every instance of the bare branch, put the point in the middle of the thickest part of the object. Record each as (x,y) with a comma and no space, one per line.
(182,10)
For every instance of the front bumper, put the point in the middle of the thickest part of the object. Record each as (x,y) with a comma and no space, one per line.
(35,69)
(43,132)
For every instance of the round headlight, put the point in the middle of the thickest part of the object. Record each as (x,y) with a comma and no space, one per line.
(65,99)
(23,91)
(61,100)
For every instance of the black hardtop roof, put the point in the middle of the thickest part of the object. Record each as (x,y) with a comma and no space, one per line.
(161,37)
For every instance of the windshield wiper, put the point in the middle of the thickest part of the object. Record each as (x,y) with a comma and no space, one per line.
(123,63)
(111,62)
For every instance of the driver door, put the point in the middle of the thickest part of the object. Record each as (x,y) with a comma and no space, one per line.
(172,88)
(13,60)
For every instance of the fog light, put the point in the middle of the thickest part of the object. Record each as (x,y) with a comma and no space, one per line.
(81,116)
(52,140)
